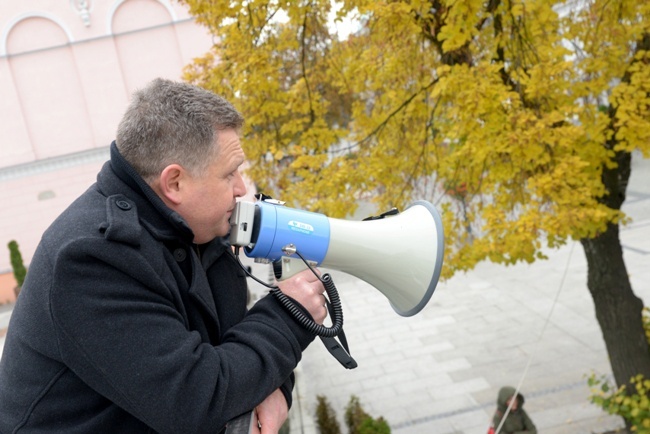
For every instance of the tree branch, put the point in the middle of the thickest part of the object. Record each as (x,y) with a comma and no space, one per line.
(389,117)
(312,115)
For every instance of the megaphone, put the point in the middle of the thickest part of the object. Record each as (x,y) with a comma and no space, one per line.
(399,254)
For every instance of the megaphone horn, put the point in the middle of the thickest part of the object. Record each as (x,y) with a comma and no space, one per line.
(400,255)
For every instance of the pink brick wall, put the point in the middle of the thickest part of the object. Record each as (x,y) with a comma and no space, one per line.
(33,202)
(63,88)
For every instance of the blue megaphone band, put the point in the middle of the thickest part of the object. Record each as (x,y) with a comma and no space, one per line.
(279,226)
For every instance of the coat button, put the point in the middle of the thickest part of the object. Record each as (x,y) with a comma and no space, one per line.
(180,255)
(122,204)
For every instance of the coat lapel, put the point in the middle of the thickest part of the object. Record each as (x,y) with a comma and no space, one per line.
(201,294)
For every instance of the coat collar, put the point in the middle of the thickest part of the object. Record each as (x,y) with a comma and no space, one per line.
(119,177)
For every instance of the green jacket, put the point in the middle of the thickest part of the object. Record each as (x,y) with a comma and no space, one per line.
(517,421)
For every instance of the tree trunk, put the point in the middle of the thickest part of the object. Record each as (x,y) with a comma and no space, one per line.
(618,309)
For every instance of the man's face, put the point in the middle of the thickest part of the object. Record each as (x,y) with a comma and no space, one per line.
(209,199)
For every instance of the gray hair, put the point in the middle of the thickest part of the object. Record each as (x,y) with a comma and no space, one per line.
(170,122)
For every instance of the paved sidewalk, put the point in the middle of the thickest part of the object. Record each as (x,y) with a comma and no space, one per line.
(440,371)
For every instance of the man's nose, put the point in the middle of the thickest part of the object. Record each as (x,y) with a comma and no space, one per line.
(240,186)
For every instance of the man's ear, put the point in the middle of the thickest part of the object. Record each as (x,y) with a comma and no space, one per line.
(169,183)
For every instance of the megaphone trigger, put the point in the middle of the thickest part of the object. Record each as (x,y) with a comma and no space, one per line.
(286,266)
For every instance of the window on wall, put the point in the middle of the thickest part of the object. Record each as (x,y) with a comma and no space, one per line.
(146,43)
(48,88)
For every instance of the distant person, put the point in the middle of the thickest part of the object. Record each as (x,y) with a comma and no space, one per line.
(133,315)
(517,421)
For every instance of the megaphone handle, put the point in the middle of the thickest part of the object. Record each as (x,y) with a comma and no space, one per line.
(285,267)
(327,334)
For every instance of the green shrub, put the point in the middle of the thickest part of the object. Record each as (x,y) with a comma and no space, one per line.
(633,407)
(360,422)
(374,426)
(354,415)
(356,419)
(326,417)
(17,263)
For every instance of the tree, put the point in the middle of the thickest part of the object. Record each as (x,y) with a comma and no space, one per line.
(517,118)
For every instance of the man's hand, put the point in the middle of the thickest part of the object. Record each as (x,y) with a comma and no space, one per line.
(307,290)
(272,412)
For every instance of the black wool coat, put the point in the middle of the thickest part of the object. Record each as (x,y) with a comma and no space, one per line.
(123,325)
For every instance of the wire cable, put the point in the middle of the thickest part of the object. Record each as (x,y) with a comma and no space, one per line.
(539,339)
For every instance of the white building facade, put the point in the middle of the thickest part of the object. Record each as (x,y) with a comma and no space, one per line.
(67,70)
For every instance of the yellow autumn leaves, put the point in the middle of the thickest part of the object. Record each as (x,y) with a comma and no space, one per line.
(520,104)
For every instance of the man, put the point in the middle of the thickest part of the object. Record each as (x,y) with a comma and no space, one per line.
(133,314)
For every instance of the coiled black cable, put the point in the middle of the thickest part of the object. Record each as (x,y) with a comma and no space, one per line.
(314,328)
(294,308)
